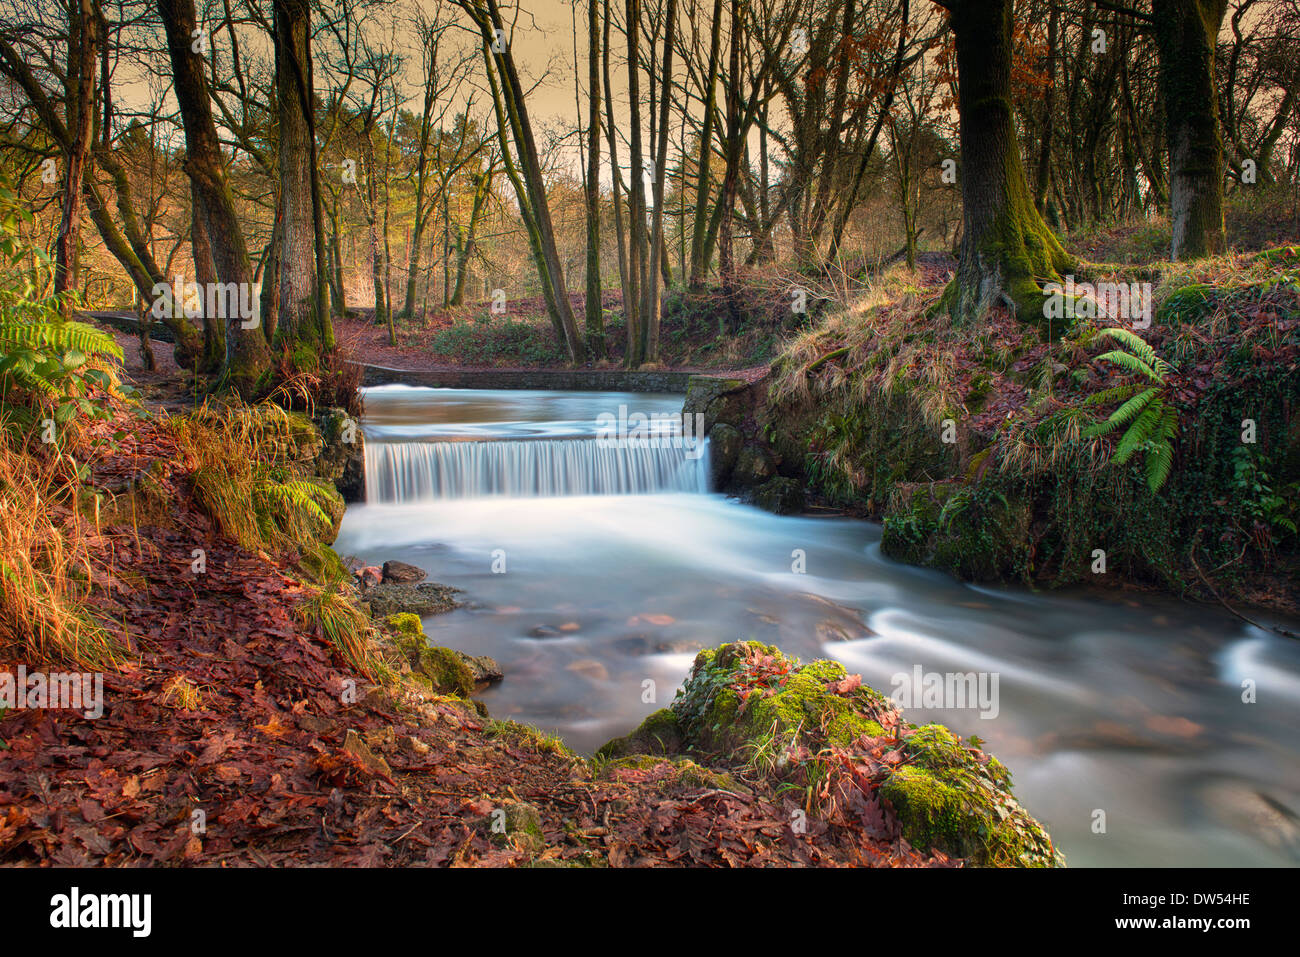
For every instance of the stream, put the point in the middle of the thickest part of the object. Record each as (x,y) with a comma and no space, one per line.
(593,574)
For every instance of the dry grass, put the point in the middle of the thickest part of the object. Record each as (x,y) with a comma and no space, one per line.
(249,468)
(45,570)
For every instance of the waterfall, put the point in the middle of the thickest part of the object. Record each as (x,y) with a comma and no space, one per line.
(531,468)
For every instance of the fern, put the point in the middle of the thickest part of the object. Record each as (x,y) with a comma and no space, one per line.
(46,362)
(1150,419)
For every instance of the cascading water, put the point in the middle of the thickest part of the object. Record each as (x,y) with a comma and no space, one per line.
(418,471)
(1107,699)
(534,458)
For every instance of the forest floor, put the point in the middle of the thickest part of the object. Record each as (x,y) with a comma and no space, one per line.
(228,738)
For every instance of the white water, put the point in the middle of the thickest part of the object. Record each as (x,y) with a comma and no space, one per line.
(422,471)
(1109,700)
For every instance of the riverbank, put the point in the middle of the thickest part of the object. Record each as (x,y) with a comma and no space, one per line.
(254,714)
(1164,457)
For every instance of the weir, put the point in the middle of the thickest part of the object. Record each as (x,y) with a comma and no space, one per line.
(531,468)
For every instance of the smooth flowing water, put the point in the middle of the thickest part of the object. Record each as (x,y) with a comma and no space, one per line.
(1108,701)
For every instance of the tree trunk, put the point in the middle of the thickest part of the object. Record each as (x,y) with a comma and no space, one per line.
(247,354)
(699,231)
(658,251)
(634,310)
(1186,32)
(615,177)
(298,325)
(205,272)
(594,315)
(80,85)
(731,175)
(512,92)
(1006,248)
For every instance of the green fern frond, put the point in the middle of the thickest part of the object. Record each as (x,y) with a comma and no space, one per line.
(1138,433)
(1113,394)
(1136,344)
(58,336)
(1130,363)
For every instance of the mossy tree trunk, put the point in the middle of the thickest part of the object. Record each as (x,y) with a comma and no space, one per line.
(214,331)
(247,354)
(1007,251)
(1186,32)
(298,326)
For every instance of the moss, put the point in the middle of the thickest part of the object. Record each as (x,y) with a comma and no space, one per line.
(657,734)
(976,531)
(405,623)
(322,564)
(783,702)
(522,827)
(957,800)
(448,673)
(524,735)
(746,704)
(1186,304)
(668,772)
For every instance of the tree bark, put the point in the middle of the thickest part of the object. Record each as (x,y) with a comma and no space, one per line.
(79,83)
(1006,248)
(658,251)
(699,230)
(298,324)
(594,316)
(247,353)
(636,271)
(1186,32)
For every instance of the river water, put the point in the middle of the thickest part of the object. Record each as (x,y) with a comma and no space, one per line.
(593,575)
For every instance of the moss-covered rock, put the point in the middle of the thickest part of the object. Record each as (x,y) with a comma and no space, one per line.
(341,458)
(718,399)
(781,495)
(724,448)
(447,671)
(748,699)
(955,798)
(520,824)
(754,466)
(658,734)
(749,708)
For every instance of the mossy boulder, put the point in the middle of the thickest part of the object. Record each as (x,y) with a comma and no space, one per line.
(781,495)
(447,671)
(341,458)
(747,697)
(658,734)
(724,448)
(954,797)
(520,824)
(748,707)
(754,466)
